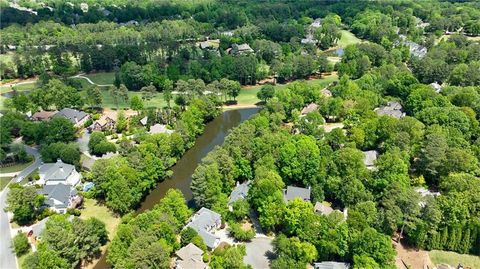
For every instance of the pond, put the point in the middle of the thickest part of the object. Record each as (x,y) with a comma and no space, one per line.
(11,93)
(214,134)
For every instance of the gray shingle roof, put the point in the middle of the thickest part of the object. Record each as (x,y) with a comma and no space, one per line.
(58,171)
(59,192)
(292,192)
(239,193)
(393,109)
(159,129)
(71,114)
(310,108)
(323,209)
(331,265)
(203,221)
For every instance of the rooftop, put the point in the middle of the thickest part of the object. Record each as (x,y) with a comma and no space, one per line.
(310,108)
(331,265)
(160,129)
(203,221)
(58,196)
(58,171)
(393,109)
(292,192)
(71,114)
(239,193)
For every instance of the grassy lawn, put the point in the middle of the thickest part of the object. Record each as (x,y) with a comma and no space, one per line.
(102,78)
(21,87)
(248,96)
(453,259)
(21,259)
(101,212)
(15,168)
(348,39)
(4,181)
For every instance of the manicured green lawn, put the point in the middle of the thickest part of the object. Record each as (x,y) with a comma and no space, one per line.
(248,96)
(21,87)
(102,78)
(15,168)
(4,181)
(101,212)
(453,259)
(348,39)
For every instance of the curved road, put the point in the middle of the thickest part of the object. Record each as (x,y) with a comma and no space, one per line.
(7,257)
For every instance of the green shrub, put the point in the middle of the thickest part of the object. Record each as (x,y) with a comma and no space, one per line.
(239,234)
(20,244)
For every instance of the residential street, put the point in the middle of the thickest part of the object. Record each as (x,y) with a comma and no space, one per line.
(7,257)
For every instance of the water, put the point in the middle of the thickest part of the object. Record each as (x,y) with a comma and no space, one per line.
(214,134)
(10,94)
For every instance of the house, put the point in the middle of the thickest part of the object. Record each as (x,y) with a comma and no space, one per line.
(326,93)
(310,108)
(37,229)
(436,86)
(325,209)
(331,265)
(60,197)
(78,118)
(416,49)
(369,158)
(426,192)
(204,222)
(392,109)
(160,129)
(105,123)
(241,49)
(58,173)
(292,192)
(190,257)
(212,44)
(43,115)
(239,193)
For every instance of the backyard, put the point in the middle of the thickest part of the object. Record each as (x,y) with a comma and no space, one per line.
(453,259)
(91,208)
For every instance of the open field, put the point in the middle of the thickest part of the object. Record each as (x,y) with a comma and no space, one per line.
(101,212)
(247,96)
(102,78)
(4,181)
(347,39)
(453,259)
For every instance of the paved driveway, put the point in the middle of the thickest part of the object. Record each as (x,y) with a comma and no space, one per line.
(259,252)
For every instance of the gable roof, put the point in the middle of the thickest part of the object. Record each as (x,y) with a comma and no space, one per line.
(202,222)
(310,108)
(239,193)
(106,119)
(58,193)
(292,192)
(323,209)
(71,114)
(393,109)
(43,115)
(58,171)
(331,265)
(159,129)
(189,251)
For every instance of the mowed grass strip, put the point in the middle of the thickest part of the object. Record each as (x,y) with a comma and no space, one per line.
(453,259)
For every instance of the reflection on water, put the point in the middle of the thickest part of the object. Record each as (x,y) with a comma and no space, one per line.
(214,134)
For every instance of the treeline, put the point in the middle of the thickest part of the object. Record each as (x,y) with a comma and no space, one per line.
(124,180)
(436,146)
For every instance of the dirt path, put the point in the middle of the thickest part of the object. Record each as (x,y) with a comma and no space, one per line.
(416,259)
(90,81)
